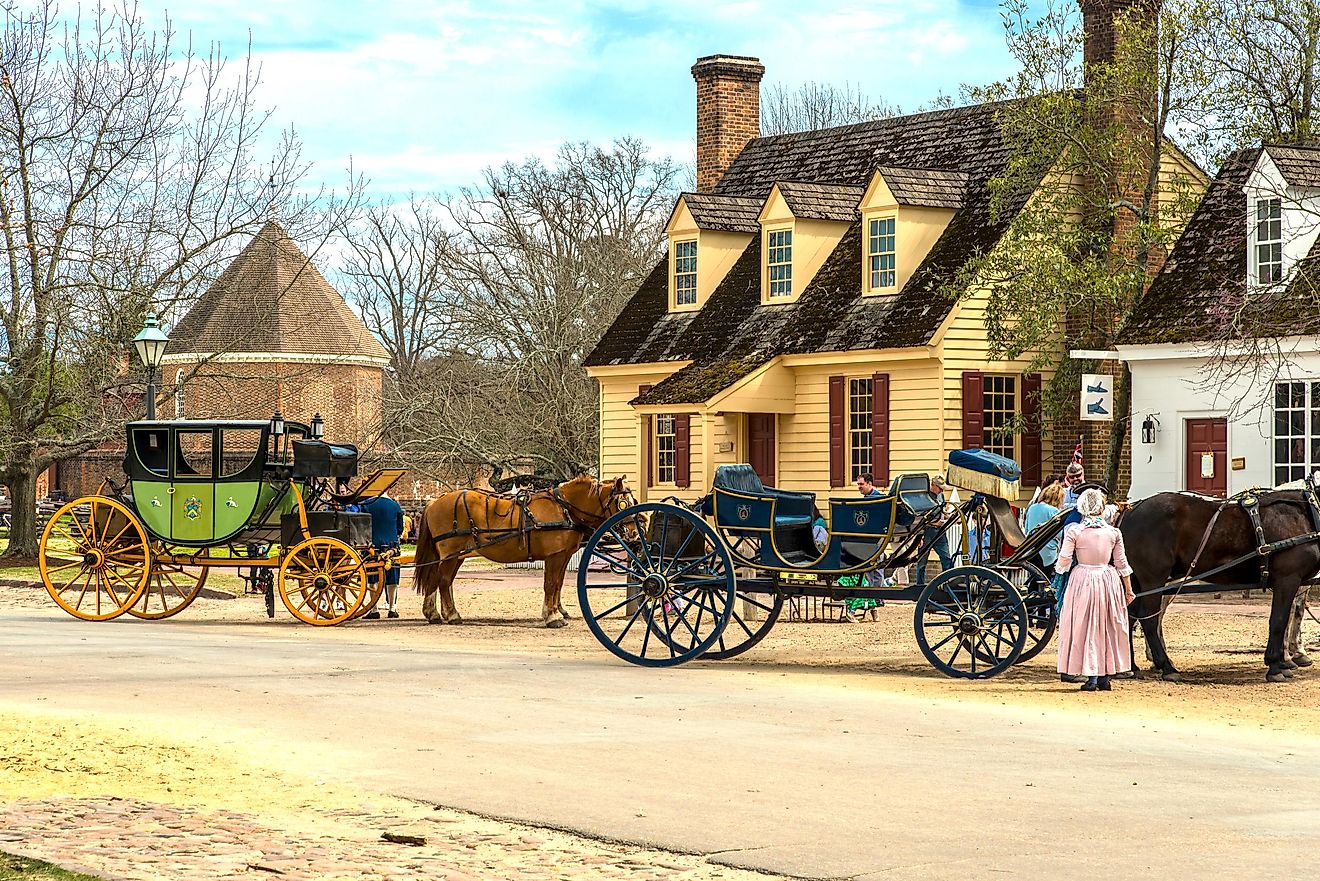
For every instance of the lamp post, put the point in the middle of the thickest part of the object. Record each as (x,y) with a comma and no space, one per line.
(150,344)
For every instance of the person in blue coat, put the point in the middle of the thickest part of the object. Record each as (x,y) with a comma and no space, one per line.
(386,530)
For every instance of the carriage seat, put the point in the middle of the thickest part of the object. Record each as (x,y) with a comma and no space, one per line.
(914,497)
(792,509)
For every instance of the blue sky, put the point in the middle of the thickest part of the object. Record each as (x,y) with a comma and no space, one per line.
(422,96)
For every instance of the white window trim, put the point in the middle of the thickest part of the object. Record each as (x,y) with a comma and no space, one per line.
(1253,260)
(765,264)
(849,412)
(867,254)
(674,305)
(1308,435)
(1015,439)
(656,434)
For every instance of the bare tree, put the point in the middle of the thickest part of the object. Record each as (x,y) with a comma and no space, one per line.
(394,271)
(128,167)
(531,266)
(816,105)
(1257,67)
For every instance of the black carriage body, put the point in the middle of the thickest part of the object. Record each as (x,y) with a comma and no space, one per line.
(208,483)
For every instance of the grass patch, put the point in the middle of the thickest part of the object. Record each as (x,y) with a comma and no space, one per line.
(14,868)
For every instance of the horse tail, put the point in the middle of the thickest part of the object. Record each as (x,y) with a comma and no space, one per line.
(424,569)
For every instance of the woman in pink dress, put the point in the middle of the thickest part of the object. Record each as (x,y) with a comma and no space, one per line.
(1093,626)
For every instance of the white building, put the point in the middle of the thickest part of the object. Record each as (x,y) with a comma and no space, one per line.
(1232,408)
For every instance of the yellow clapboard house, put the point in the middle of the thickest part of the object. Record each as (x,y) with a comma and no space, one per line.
(802,320)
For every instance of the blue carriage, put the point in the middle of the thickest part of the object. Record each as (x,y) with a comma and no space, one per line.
(709,579)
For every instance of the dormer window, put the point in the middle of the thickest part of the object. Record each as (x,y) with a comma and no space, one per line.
(881,254)
(685,273)
(1268,250)
(779,262)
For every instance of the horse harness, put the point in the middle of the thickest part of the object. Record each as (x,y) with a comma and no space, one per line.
(1249,501)
(524,518)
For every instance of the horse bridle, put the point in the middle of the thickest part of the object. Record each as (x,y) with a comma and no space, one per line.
(583,520)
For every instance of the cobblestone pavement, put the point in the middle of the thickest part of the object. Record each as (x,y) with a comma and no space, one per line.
(123,839)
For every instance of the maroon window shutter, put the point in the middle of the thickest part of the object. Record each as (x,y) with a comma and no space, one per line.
(880,428)
(1031,455)
(683,451)
(838,465)
(648,442)
(973,409)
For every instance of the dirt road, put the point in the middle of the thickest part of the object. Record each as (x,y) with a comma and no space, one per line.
(201,777)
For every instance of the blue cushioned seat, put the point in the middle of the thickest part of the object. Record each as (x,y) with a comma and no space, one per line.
(791,510)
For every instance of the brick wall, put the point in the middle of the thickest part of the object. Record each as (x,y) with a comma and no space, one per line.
(348,396)
(728,112)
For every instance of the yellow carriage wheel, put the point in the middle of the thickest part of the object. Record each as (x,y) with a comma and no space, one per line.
(171,587)
(322,581)
(94,558)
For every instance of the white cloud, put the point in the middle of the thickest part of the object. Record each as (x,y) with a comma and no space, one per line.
(423,96)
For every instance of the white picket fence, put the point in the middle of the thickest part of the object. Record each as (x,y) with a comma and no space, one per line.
(573,563)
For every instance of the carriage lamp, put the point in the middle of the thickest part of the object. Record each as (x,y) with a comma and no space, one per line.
(150,344)
(318,427)
(277,424)
(1148,428)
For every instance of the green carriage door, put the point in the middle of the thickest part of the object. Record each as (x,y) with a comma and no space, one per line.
(192,497)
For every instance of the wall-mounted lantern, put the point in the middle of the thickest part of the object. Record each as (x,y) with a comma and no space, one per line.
(1148,429)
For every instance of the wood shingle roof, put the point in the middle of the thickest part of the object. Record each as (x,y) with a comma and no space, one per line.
(821,201)
(1202,294)
(831,314)
(723,213)
(1299,165)
(926,187)
(271,299)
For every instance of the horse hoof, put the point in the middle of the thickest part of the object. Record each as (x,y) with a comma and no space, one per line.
(1276,676)
(1289,672)
(1302,660)
(556,623)
(435,620)
(1171,676)
(1287,665)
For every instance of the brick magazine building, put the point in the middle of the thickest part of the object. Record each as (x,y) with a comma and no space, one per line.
(270,334)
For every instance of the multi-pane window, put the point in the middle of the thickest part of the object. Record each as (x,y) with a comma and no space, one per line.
(1296,430)
(779,262)
(665,440)
(880,252)
(860,412)
(999,407)
(1269,241)
(685,273)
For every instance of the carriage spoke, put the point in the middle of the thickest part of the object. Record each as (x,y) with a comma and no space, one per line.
(619,605)
(678,555)
(937,646)
(747,598)
(632,620)
(708,557)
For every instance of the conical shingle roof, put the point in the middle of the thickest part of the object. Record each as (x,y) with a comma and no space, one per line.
(271,299)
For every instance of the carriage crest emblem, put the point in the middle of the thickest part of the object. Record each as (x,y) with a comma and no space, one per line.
(860,517)
(744,512)
(192,507)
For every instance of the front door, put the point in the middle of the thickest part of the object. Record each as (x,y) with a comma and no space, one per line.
(761,445)
(1207,456)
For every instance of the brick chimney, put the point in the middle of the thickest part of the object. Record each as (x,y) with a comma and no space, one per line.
(728,112)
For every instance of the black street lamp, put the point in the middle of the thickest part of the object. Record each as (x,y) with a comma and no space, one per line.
(1148,428)
(150,344)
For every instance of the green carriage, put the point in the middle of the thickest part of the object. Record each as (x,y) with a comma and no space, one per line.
(256,496)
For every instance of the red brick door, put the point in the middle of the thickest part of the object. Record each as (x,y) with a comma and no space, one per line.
(1207,436)
(761,445)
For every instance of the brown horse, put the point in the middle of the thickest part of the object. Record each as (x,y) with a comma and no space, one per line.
(549,525)
(1166,533)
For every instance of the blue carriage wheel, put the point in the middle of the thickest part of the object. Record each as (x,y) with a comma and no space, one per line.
(1042,619)
(656,585)
(971,623)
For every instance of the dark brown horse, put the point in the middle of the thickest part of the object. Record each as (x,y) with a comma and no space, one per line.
(1164,532)
(548,525)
